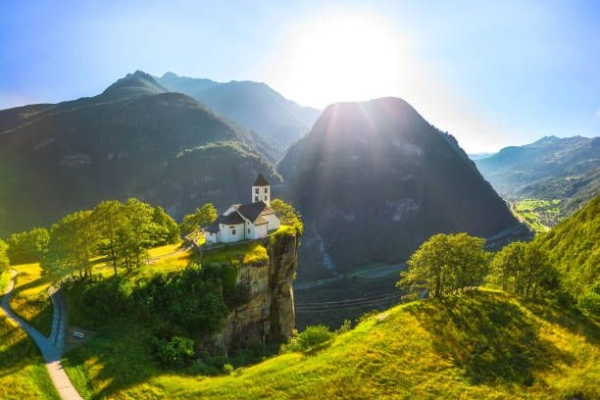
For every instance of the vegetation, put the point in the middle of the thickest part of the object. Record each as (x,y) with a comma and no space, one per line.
(445,264)
(23,374)
(475,345)
(288,215)
(28,247)
(118,232)
(311,339)
(573,247)
(524,269)
(4,260)
(540,215)
(202,217)
(541,173)
(30,297)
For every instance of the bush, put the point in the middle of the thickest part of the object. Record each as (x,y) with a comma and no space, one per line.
(312,338)
(590,300)
(176,353)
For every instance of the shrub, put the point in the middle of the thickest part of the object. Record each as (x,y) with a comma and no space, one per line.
(176,352)
(590,300)
(312,338)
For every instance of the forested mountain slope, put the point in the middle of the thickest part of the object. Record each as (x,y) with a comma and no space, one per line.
(565,169)
(133,140)
(375,180)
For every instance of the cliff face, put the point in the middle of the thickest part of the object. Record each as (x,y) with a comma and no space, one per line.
(269,313)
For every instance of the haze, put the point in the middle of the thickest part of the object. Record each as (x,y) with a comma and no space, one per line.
(490,74)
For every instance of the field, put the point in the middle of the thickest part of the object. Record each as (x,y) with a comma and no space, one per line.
(476,345)
(23,374)
(30,297)
(540,215)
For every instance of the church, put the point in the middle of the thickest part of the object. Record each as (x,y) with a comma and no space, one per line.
(245,221)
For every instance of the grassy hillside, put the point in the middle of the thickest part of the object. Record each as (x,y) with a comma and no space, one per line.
(22,371)
(476,345)
(574,247)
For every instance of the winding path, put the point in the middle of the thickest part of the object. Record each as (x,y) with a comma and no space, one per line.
(51,347)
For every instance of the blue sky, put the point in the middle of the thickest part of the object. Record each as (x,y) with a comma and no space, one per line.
(490,73)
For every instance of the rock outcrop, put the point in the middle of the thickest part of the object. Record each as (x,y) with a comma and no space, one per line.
(268,315)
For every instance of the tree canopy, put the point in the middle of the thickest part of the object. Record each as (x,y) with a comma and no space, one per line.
(28,247)
(202,217)
(288,215)
(446,263)
(4,262)
(120,233)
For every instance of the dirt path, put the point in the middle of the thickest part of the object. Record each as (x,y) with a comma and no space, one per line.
(51,348)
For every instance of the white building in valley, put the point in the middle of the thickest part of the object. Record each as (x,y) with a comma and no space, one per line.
(245,221)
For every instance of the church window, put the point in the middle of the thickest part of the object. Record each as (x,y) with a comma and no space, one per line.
(256,190)
(266,190)
(248,230)
(233,231)
(255,198)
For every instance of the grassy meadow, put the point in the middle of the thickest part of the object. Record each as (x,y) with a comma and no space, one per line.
(481,344)
(539,215)
(30,297)
(23,374)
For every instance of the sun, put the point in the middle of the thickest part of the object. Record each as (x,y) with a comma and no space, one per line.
(344,59)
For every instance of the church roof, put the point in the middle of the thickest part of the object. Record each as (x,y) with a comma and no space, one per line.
(253,211)
(231,219)
(260,181)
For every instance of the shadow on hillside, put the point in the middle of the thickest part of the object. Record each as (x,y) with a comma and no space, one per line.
(119,356)
(572,320)
(492,341)
(14,355)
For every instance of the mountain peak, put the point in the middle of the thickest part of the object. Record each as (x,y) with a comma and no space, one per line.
(134,84)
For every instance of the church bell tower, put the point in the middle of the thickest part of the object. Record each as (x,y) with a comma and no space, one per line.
(261,190)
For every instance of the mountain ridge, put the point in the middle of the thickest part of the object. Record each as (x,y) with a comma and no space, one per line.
(125,142)
(376,180)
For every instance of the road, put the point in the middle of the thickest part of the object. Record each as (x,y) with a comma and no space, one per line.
(52,347)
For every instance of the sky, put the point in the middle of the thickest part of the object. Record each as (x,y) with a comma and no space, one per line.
(491,73)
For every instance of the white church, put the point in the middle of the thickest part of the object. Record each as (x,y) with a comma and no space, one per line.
(245,221)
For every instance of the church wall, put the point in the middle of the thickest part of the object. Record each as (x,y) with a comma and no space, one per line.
(274,222)
(231,233)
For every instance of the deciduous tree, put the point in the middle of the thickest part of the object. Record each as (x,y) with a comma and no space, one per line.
(4,262)
(202,217)
(28,247)
(446,263)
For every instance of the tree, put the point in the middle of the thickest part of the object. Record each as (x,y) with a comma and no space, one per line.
(4,262)
(506,267)
(110,219)
(73,242)
(446,263)
(28,247)
(202,217)
(524,268)
(288,215)
(165,230)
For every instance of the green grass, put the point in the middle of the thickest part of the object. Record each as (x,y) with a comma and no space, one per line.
(23,374)
(30,297)
(540,215)
(476,345)
(245,253)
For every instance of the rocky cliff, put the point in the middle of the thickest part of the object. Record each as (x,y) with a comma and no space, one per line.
(268,315)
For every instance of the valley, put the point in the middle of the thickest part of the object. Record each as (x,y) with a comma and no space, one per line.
(328,304)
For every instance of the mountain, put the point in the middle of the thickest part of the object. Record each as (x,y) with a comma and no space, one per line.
(573,246)
(374,180)
(134,140)
(250,104)
(480,156)
(565,169)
